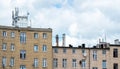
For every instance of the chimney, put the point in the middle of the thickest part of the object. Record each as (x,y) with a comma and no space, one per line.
(63,40)
(117,41)
(57,40)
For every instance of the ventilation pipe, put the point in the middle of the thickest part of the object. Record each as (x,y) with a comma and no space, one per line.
(63,44)
(57,40)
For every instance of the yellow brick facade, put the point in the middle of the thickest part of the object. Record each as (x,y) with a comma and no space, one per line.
(28,47)
(90,62)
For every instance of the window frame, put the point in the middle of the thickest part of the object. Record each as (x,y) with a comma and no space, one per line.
(4,34)
(64,63)
(12,61)
(36,62)
(73,51)
(4,61)
(55,62)
(36,48)
(115,53)
(23,37)
(44,62)
(55,50)
(44,35)
(4,46)
(95,55)
(12,47)
(12,34)
(36,35)
(83,65)
(104,64)
(22,67)
(64,50)
(23,54)
(74,63)
(44,48)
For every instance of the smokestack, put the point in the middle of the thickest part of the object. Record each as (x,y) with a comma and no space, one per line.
(57,40)
(63,40)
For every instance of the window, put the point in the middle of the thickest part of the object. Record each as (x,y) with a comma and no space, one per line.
(83,64)
(115,53)
(22,67)
(4,61)
(4,46)
(22,54)
(35,62)
(103,52)
(64,63)
(115,66)
(22,37)
(12,61)
(94,55)
(12,47)
(94,68)
(74,63)
(44,64)
(73,50)
(35,48)
(55,62)
(83,52)
(64,50)
(4,33)
(12,34)
(35,35)
(44,35)
(104,64)
(55,50)
(44,48)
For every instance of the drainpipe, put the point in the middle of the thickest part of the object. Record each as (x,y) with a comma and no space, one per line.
(89,58)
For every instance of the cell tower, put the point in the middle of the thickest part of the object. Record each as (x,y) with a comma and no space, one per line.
(18,20)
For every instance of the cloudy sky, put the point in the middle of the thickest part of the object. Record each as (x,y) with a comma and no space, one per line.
(83,21)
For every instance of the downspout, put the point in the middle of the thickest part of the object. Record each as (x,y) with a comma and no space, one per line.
(89,58)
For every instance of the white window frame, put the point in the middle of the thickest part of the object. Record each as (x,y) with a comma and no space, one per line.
(44,63)
(64,63)
(55,62)
(4,61)
(12,34)
(74,63)
(35,62)
(22,67)
(4,33)
(12,47)
(44,35)
(22,37)
(104,64)
(4,46)
(94,54)
(12,61)
(23,54)
(44,48)
(36,48)
(83,64)
(36,36)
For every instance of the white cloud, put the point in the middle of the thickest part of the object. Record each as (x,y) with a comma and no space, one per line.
(82,20)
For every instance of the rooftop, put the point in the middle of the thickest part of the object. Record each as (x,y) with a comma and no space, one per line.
(26,28)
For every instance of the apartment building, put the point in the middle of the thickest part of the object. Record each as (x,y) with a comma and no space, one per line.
(101,56)
(23,47)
